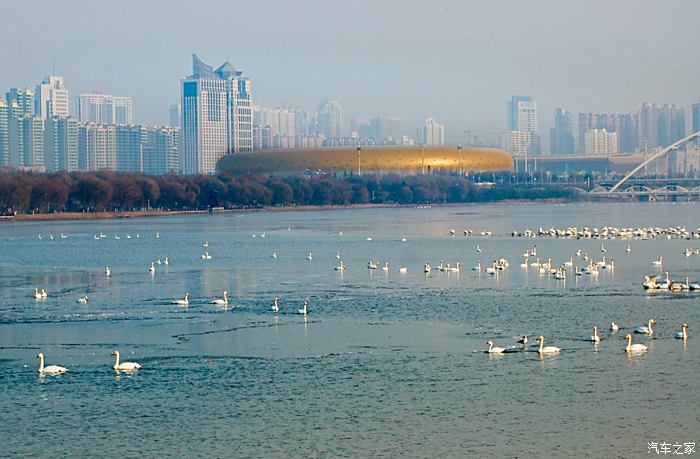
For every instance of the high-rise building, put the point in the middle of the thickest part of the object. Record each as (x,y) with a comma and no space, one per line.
(104,109)
(130,143)
(61,144)
(275,127)
(649,126)
(217,116)
(671,124)
(562,134)
(161,150)
(625,125)
(97,147)
(32,142)
(522,126)
(4,133)
(431,133)
(20,102)
(385,130)
(600,142)
(51,98)
(330,119)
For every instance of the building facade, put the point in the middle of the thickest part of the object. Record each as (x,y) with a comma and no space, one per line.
(431,133)
(600,142)
(51,98)
(217,116)
(562,134)
(329,119)
(161,151)
(105,109)
(522,137)
(97,147)
(130,143)
(61,144)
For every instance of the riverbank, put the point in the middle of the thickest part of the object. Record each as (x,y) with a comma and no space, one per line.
(59,216)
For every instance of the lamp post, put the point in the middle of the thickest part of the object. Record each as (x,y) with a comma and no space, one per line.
(459,154)
(359,160)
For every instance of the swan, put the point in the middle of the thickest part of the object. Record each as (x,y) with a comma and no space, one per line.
(206,244)
(602,248)
(403,269)
(309,256)
(116,237)
(524,340)
(152,269)
(128,236)
(43,293)
(337,256)
(108,272)
(595,338)
(455,269)
(477,267)
(40,236)
(63,236)
(614,327)
(646,329)
(658,262)
(206,256)
(51,236)
(274,254)
(183,302)
(124,366)
(220,301)
(50,369)
(628,249)
(570,262)
(37,294)
(683,334)
(305,309)
(166,262)
(494,350)
(478,249)
(548,349)
(341,266)
(276,305)
(83,299)
(634,347)
(524,264)
(157,235)
(372,265)
(159,262)
(386,266)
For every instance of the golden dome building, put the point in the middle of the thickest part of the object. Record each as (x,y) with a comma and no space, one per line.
(412,160)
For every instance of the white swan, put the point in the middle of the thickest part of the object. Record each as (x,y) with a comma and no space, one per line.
(108,272)
(152,269)
(546,350)
(44,294)
(183,302)
(628,249)
(274,254)
(305,309)
(276,305)
(37,294)
(494,350)
(477,267)
(386,266)
(455,269)
(614,327)
(658,262)
(220,301)
(646,329)
(206,256)
(341,266)
(50,369)
(309,256)
(683,334)
(403,269)
(124,366)
(634,347)
(428,267)
(478,249)
(372,265)
(206,244)
(83,299)
(166,262)
(595,338)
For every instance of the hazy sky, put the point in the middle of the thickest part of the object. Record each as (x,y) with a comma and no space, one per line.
(458,60)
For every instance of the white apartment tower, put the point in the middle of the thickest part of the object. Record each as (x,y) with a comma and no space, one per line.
(217,117)
(105,109)
(51,98)
(432,133)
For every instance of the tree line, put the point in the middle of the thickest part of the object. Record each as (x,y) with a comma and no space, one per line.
(22,192)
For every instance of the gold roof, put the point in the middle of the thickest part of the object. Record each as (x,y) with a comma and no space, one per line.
(370,159)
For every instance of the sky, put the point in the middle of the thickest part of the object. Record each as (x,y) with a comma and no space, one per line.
(459,61)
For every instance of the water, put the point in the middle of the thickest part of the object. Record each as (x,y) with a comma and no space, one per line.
(386,364)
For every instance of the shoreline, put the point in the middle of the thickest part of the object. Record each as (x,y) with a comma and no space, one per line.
(65,216)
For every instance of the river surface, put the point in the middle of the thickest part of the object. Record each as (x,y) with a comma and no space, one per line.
(385,364)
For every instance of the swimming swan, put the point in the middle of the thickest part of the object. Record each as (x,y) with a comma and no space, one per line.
(634,347)
(220,301)
(305,310)
(494,350)
(124,366)
(276,305)
(548,349)
(683,334)
(614,327)
(51,369)
(647,330)
(83,299)
(595,338)
(183,302)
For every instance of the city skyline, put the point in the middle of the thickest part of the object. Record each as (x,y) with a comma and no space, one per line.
(374,61)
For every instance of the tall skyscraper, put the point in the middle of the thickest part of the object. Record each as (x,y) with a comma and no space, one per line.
(104,109)
(51,98)
(562,134)
(217,116)
(522,126)
(385,130)
(130,143)
(97,147)
(431,133)
(275,127)
(32,142)
(161,150)
(600,142)
(61,144)
(671,124)
(20,102)
(330,119)
(4,133)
